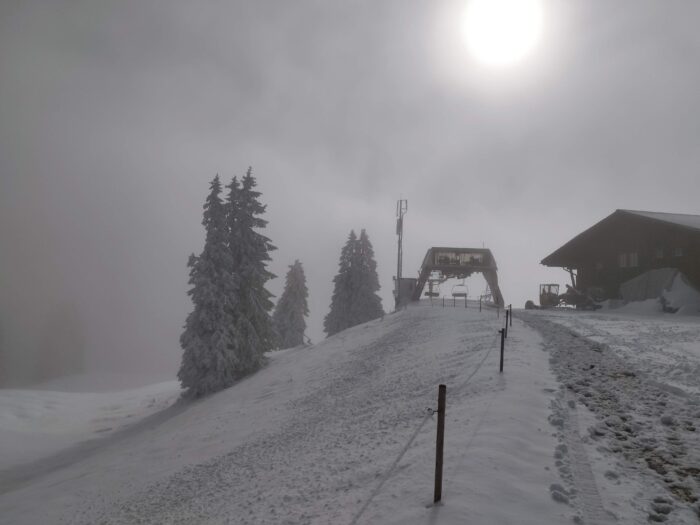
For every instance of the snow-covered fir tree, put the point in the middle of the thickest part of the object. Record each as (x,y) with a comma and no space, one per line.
(292,308)
(355,298)
(230,326)
(338,317)
(366,304)
(253,330)
(209,363)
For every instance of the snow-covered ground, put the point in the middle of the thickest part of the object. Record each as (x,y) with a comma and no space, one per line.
(38,423)
(339,432)
(638,377)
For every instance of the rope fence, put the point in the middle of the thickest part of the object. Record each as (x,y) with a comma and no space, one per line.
(429,412)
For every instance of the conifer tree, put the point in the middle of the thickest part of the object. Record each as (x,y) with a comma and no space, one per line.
(208,364)
(366,304)
(338,318)
(354,298)
(291,309)
(253,328)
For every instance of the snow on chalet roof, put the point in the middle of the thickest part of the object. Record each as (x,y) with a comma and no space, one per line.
(681,219)
(565,255)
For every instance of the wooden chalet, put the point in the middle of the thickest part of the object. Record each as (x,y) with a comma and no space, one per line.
(626,244)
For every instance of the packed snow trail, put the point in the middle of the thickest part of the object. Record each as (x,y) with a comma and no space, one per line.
(575,464)
(643,427)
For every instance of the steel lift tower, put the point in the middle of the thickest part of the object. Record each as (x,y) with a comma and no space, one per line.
(459,263)
(401,210)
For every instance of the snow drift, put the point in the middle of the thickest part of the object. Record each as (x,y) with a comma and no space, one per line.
(663,289)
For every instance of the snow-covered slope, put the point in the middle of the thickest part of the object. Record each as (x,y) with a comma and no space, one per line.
(339,433)
(38,423)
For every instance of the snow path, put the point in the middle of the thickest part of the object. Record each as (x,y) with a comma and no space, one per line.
(667,347)
(644,427)
(586,489)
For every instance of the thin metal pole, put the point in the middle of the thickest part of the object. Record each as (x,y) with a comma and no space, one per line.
(401,209)
(503,344)
(440,442)
(510,307)
(505,328)
(480,303)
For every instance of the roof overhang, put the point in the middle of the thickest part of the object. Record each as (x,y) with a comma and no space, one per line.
(569,255)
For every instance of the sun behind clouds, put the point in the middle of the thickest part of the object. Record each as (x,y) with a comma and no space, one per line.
(502,32)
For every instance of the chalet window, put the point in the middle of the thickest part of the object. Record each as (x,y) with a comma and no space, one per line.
(633,259)
(678,251)
(628,259)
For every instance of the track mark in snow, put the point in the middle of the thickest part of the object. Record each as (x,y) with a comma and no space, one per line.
(643,425)
(574,464)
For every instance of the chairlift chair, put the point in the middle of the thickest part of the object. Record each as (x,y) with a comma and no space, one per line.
(459,290)
(433,289)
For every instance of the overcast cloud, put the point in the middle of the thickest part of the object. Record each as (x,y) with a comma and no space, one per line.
(114,116)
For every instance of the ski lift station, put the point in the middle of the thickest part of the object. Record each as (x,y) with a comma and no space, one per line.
(457,263)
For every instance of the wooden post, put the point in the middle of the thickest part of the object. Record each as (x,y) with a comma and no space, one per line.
(465,301)
(503,343)
(443,301)
(510,307)
(454,302)
(440,443)
(505,328)
(480,303)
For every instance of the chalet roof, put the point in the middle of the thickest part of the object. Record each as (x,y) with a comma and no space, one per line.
(680,219)
(564,255)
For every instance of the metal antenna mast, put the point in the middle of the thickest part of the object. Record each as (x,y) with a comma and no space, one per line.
(401,210)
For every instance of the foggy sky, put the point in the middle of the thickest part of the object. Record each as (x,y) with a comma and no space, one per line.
(114,116)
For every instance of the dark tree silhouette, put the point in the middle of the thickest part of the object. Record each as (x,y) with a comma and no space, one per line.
(291,309)
(354,299)
(208,362)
